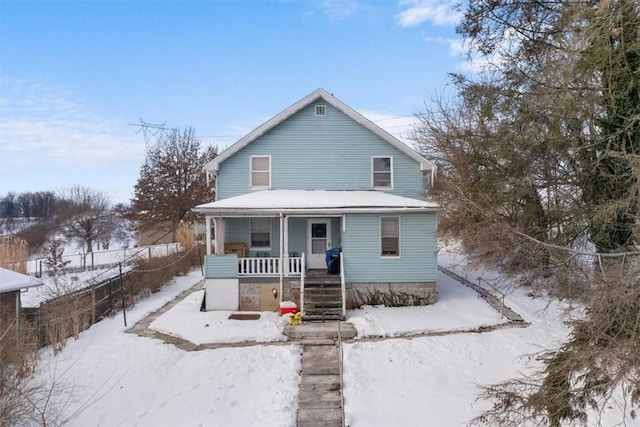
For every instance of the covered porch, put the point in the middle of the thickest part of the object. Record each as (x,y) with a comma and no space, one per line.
(281,236)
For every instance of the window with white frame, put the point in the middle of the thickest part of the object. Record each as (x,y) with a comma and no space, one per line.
(260,233)
(382,167)
(389,236)
(321,110)
(260,171)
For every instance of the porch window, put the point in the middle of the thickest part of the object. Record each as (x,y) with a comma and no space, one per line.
(260,233)
(382,172)
(390,236)
(260,171)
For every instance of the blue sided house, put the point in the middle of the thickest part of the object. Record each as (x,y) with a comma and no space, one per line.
(320,207)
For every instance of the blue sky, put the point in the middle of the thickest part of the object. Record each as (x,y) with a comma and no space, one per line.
(75,74)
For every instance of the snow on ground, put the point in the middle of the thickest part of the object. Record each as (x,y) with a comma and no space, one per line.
(185,320)
(432,380)
(436,380)
(458,307)
(135,381)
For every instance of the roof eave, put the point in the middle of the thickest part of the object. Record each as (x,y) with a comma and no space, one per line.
(251,212)
(213,165)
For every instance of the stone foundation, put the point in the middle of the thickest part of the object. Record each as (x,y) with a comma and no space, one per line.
(258,296)
(357,293)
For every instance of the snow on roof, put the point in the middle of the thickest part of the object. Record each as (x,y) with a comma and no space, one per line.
(14,281)
(315,200)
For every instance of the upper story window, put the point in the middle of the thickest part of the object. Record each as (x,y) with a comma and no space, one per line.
(389,236)
(382,171)
(321,110)
(260,171)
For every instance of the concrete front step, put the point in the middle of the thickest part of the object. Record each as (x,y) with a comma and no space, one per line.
(323,292)
(323,305)
(327,317)
(322,286)
(325,330)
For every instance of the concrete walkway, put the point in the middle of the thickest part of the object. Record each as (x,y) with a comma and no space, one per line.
(320,392)
(320,402)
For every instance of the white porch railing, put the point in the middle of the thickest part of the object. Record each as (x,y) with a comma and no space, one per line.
(269,266)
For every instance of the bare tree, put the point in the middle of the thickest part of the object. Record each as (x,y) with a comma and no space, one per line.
(84,215)
(172,181)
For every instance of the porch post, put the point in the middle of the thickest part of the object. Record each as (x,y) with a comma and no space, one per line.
(207,220)
(218,224)
(282,267)
(285,244)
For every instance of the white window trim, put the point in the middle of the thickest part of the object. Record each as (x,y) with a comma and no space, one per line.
(390,187)
(380,239)
(258,187)
(261,248)
(324,108)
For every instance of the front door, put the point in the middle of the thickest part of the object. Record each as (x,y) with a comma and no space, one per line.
(318,242)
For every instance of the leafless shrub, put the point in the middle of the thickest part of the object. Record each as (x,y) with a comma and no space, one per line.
(18,359)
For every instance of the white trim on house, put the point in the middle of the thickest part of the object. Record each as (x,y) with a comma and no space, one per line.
(213,165)
(251,171)
(373,172)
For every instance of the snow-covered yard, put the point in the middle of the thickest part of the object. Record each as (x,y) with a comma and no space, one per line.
(431,380)
(133,381)
(186,321)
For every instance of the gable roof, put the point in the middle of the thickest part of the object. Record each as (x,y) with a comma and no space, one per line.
(213,165)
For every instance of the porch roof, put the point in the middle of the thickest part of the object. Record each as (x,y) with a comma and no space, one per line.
(307,202)
(14,281)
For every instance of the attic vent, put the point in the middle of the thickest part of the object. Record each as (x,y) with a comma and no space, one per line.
(321,110)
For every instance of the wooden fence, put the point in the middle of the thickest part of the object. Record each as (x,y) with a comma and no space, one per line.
(68,315)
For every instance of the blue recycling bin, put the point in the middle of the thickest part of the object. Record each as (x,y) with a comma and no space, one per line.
(333,261)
